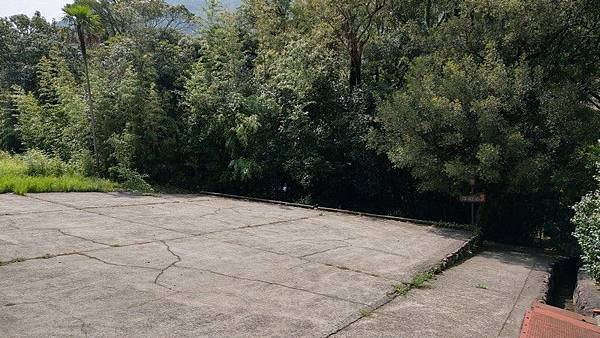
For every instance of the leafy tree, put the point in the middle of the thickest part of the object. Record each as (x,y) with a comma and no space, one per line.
(224,115)
(52,120)
(85,20)
(23,42)
(485,106)
(353,22)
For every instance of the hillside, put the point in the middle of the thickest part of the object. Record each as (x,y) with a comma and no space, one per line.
(195,6)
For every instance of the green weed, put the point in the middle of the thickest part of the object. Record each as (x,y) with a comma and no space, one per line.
(366,312)
(422,278)
(418,282)
(401,288)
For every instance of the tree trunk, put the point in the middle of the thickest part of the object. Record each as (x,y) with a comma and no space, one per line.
(355,66)
(88,92)
(427,19)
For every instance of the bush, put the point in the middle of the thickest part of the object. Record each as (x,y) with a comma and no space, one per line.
(587,231)
(130,179)
(39,164)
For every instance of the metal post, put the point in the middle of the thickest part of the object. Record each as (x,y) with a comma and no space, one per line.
(472,184)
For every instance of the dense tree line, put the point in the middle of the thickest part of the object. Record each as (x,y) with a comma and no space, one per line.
(392,106)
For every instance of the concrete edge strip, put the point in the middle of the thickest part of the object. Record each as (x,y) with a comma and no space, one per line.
(437,224)
(341,211)
(467,250)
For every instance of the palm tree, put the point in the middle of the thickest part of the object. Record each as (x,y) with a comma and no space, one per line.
(83,18)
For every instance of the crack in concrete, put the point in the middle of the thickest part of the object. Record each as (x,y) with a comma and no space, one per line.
(273,284)
(162,271)
(31,212)
(80,237)
(22,303)
(133,205)
(153,300)
(341,267)
(308,260)
(517,299)
(382,251)
(165,228)
(46,256)
(197,199)
(75,253)
(105,215)
(84,325)
(326,250)
(134,222)
(358,316)
(116,264)
(313,241)
(71,206)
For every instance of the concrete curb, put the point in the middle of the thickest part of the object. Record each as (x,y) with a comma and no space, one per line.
(549,280)
(343,211)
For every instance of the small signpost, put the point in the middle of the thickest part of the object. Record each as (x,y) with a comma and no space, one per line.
(473,198)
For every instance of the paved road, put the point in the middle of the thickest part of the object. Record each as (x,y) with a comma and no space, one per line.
(98,264)
(486,296)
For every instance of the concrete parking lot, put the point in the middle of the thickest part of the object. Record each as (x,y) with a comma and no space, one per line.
(115,264)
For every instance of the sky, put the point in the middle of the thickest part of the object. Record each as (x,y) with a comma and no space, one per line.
(50,9)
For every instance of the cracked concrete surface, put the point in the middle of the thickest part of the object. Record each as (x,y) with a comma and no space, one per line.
(485,296)
(112,264)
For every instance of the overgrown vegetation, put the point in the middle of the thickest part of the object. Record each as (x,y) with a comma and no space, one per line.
(587,231)
(35,172)
(387,106)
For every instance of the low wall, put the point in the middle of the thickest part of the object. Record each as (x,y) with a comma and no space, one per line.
(587,294)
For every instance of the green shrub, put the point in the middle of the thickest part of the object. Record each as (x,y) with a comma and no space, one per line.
(587,232)
(10,166)
(82,163)
(587,226)
(130,179)
(39,164)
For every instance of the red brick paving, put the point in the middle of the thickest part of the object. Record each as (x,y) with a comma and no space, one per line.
(544,321)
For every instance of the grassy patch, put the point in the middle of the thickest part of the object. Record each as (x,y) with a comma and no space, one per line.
(21,174)
(26,184)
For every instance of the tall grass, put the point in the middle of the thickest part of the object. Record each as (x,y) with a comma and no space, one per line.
(36,172)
